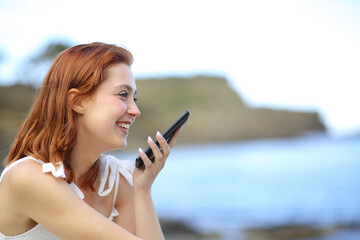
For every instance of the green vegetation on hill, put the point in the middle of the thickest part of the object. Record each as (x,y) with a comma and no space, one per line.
(217,113)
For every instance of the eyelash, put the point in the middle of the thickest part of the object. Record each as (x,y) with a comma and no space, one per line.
(125,95)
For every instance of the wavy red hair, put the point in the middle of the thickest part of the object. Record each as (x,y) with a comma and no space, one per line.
(49,132)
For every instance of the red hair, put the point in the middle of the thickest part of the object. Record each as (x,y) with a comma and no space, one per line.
(49,132)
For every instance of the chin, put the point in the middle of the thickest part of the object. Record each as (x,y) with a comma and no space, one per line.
(122,145)
(119,145)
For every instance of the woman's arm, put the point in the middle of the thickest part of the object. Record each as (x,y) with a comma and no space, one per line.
(147,222)
(135,206)
(52,203)
(125,206)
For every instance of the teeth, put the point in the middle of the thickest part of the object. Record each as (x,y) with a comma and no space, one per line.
(124,125)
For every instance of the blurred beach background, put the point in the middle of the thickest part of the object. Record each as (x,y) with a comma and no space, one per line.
(271,149)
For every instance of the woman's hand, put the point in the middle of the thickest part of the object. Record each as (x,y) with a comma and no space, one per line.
(144,178)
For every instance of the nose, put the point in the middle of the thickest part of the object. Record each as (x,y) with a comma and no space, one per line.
(134,110)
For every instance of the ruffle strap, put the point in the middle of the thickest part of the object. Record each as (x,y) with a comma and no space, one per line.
(110,170)
(110,167)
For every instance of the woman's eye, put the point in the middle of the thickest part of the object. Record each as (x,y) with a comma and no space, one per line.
(135,99)
(123,94)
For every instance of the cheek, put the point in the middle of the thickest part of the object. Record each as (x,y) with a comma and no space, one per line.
(95,124)
(118,109)
(107,114)
(104,114)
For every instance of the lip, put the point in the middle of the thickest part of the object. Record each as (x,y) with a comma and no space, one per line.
(124,130)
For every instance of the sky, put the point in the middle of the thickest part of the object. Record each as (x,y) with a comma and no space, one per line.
(284,54)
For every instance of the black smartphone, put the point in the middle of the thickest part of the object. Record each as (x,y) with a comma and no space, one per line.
(168,134)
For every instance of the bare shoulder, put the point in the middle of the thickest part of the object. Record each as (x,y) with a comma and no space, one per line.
(23,167)
(26,181)
(125,205)
(24,191)
(125,190)
(15,181)
(27,174)
(19,177)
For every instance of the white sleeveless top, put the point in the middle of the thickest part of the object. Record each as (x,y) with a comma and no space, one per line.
(110,170)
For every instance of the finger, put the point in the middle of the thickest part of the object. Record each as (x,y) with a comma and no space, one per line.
(156,150)
(145,158)
(165,149)
(175,137)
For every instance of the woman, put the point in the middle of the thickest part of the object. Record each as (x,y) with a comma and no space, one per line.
(58,184)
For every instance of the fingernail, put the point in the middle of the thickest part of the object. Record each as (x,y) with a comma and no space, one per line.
(150,139)
(158,133)
(140,150)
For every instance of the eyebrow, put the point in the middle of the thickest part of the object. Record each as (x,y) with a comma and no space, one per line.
(128,87)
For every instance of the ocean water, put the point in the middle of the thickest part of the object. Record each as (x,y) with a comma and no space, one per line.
(223,187)
(313,180)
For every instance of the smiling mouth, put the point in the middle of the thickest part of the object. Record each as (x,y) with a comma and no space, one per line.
(124,125)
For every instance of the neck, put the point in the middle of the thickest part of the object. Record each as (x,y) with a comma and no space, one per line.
(81,162)
(84,154)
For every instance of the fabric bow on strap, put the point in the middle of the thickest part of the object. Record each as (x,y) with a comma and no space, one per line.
(56,172)
(59,172)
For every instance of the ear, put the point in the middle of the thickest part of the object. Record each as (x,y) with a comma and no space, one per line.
(74,102)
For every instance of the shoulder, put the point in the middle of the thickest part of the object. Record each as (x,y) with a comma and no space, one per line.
(26,185)
(29,172)
(126,169)
(22,175)
(27,175)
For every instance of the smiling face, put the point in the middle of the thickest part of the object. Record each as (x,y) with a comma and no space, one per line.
(105,117)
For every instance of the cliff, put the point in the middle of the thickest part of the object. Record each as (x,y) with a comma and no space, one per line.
(217,113)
